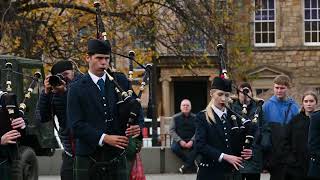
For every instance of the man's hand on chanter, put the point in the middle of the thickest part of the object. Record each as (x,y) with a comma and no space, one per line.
(133,130)
(116,141)
(10,137)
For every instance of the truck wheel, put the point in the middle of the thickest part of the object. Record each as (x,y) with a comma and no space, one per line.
(26,168)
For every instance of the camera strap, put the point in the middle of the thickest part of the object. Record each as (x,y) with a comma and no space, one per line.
(52,114)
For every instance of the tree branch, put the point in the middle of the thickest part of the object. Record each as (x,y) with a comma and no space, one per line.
(87,9)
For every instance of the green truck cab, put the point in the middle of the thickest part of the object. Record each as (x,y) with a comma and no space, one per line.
(39,139)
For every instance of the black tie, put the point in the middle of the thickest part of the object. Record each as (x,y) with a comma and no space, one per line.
(224,118)
(101,86)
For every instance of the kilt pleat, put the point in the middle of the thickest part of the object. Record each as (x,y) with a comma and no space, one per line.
(85,168)
(5,170)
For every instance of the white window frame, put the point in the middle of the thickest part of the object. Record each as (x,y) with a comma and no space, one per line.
(311,20)
(267,21)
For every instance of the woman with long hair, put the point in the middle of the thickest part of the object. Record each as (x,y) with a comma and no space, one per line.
(220,157)
(297,139)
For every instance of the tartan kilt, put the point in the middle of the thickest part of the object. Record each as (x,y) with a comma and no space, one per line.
(86,169)
(205,173)
(233,176)
(5,170)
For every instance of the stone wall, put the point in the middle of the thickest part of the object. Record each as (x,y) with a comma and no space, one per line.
(301,62)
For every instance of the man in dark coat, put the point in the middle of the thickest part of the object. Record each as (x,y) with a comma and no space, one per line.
(248,108)
(10,131)
(182,131)
(314,146)
(53,102)
(100,136)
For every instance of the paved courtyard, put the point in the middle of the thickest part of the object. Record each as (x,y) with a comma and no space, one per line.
(157,177)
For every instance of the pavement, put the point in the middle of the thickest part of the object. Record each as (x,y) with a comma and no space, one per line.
(158,177)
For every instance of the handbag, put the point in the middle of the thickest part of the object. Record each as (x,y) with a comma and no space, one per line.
(137,171)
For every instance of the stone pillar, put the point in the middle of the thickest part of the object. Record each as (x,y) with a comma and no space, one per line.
(166,95)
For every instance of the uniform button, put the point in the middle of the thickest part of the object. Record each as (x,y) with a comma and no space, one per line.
(103,98)
(225,133)
(227,146)
(226,140)
(224,128)
(104,105)
(105,113)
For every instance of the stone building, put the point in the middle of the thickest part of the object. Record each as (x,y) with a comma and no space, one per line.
(285,39)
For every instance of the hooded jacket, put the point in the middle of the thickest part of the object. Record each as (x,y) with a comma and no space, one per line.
(274,113)
(275,110)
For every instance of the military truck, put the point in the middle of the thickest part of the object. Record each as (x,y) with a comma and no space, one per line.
(39,139)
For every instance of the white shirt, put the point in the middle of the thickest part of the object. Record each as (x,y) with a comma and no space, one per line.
(95,79)
(219,113)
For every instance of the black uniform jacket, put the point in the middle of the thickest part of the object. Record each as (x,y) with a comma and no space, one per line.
(8,151)
(314,145)
(212,140)
(88,115)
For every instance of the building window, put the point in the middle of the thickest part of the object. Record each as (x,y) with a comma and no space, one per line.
(140,41)
(312,22)
(195,42)
(261,91)
(264,23)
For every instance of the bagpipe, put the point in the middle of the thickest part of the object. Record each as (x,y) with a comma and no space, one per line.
(8,99)
(243,127)
(129,103)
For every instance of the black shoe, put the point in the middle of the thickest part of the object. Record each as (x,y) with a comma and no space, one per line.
(193,169)
(182,169)
(185,169)
(196,163)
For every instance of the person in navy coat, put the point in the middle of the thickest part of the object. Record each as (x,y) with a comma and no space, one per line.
(93,112)
(219,159)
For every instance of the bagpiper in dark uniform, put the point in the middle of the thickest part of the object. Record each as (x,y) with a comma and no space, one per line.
(9,132)
(248,108)
(101,135)
(314,145)
(219,153)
